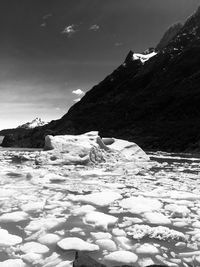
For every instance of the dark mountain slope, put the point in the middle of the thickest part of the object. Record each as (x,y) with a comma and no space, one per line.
(155,104)
(169,35)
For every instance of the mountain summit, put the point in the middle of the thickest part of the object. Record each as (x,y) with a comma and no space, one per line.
(151,99)
(37,122)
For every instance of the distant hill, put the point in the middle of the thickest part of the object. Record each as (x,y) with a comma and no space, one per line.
(151,99)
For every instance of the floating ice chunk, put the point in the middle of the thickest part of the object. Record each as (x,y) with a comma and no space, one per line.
(144,262)
(33,207)
(6,193)
(180,224)
(184,195)
(129,150)
(101,235)
(46,224)
(147,249)
(180,245)
(118,232)
(13,263)
(139,205)
(77,244)
(34,247)
(120,258)
(101,199)
(197,258)
(16,216)
(80,211)
(49,239)
(100,219)
(196,224)
(106,244)
(65,264)
(78,231)
(156,218)
(51,261)
(123,242)
(177,210)
(139,231)
(189,254)
(31,257)
(7,239)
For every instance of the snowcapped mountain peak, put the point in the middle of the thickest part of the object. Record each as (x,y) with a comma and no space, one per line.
(37,122)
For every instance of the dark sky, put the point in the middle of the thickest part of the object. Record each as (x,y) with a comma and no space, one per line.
(49,48)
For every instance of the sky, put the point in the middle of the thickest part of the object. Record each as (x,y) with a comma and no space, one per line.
(53,51)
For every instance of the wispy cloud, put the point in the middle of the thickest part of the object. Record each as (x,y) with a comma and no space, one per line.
(118,44)
(78,92)
(94,27)
(43,24)
(47,16)
(69,30)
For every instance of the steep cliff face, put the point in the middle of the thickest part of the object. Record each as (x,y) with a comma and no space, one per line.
(153,102)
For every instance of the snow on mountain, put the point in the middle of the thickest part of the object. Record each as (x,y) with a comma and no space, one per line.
(33,124)
(142,57)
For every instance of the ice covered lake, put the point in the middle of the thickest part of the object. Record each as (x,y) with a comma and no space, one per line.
(118,214)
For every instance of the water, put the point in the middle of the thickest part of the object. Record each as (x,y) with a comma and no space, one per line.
(51,196)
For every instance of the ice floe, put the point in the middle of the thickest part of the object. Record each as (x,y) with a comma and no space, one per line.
(7,239)
(77,244)
(138,205)
(34,247)
(156,218)
(98,199)
(45,224)
(121,257)
(100,219)
(106,244)
(49,239)
(16,216)
(13,263)
(101,235)
(138,231)
(147,248)
(33,206)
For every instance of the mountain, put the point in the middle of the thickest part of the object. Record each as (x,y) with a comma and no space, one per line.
(171,32)
(37,122)
(151,99)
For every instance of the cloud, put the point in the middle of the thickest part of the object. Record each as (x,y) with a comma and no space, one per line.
(78,92)
(118,44)
(47,16)
(43,24)
(94,27)
(69,30)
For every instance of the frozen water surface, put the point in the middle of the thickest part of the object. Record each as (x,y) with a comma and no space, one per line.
(116,213)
